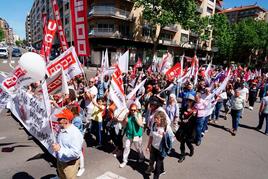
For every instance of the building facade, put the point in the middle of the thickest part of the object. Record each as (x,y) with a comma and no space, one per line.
(8,32)
(118,26)
(28,30)
(237,14)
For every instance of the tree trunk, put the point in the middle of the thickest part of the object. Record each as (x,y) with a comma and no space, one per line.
(156,41)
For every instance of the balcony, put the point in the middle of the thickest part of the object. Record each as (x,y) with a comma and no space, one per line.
(109,33)
(103,32)
(171,28)
(110,11)
(167,42)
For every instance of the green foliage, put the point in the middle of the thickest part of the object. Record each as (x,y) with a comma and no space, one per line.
(18,43)
(1,34)
(223,37)
(166,12)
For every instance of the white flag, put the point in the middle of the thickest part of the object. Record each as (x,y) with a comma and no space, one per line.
(133,92)
(123,62)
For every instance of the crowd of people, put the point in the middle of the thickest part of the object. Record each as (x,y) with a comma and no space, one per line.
(163,109)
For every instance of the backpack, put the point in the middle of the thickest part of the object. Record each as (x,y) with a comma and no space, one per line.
(165,145)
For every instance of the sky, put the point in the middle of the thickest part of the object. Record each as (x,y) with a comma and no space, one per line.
(15,11)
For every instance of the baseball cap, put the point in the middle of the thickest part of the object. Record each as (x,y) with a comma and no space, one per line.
(65,114)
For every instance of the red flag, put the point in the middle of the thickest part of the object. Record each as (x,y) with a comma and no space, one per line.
(48,39)
(63,41)
(174,72)
(78,10)
(137,65)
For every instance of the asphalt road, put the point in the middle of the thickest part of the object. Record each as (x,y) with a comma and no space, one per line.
(220,156)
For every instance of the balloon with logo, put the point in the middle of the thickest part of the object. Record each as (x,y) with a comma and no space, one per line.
(34,64)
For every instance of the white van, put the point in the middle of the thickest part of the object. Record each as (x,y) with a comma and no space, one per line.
(3,52)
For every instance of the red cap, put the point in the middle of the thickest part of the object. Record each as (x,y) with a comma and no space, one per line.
(65,114)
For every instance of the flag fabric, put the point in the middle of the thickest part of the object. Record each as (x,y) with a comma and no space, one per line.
(196,69)
(116,91)
(182,63)
(132,94)
(48,39)
(69,62)
(123,62)
(78,9)
(165,64)
(174,72)
(56,12)
(136,66)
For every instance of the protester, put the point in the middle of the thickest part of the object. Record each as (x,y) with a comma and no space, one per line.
(133,132)
(186,132)
(77,122)
(173,111)
(68,146)
(237,105)
(96,127)
(263,113)
(159,128)
(252,96)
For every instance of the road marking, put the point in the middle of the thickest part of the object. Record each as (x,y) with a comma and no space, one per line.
(5,61)
(110,175)
(2,138)
(12,61)
(11,66)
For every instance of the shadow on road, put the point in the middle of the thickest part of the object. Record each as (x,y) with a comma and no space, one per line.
(220,127)
(250,127)
(22,175)
(47,157)
(4,144)
(48,176)
(11,149)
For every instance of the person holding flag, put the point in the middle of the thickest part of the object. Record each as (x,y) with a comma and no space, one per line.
(68,146)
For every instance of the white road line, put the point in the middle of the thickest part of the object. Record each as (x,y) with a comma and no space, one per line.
(2,138)
(11,66)
(110,175)
(12,61)
(5,61)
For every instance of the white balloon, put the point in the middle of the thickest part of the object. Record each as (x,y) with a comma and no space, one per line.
(34,64)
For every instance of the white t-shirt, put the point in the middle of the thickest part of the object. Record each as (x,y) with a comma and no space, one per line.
(243,93)
(89,105)
(158,135)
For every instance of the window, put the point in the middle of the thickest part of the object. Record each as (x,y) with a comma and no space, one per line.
(166,36)
(184,38)
(146,30)
(209,10)
(66,6)
(105,27)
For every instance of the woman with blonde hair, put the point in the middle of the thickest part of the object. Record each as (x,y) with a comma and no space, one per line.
(160,135)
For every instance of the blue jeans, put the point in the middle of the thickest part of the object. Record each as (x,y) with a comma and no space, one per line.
(261,119)
(96,128)
(235,118)
(216,111)
(205,125)
(199,127)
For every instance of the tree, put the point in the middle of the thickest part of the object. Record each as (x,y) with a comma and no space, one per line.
(1,34)
(18,43)
(250,40)
(160,13)
(223,37)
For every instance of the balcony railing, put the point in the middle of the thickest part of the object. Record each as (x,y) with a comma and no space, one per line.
(109,11)
(171,27)
(102,32)
(108,32)
(167,42)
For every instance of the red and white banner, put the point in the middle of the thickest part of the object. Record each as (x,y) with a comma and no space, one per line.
(63,41)
(68,61)
(165,59)
(174,72)
(56,84)
(18,78)
(116,91)
(137,65)
(78,10)
(48,39)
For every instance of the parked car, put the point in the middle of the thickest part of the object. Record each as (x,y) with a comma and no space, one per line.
(16,52)
(3,52)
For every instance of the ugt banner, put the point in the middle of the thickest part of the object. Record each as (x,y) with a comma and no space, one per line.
(78,10)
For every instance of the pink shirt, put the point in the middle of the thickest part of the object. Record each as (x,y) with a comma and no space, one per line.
(201,108)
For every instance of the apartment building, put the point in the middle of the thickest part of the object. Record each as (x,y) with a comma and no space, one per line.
(28,30)
(118,26)
(237,14)
(8,32)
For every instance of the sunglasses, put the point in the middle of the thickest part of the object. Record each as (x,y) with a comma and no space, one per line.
(133,110)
